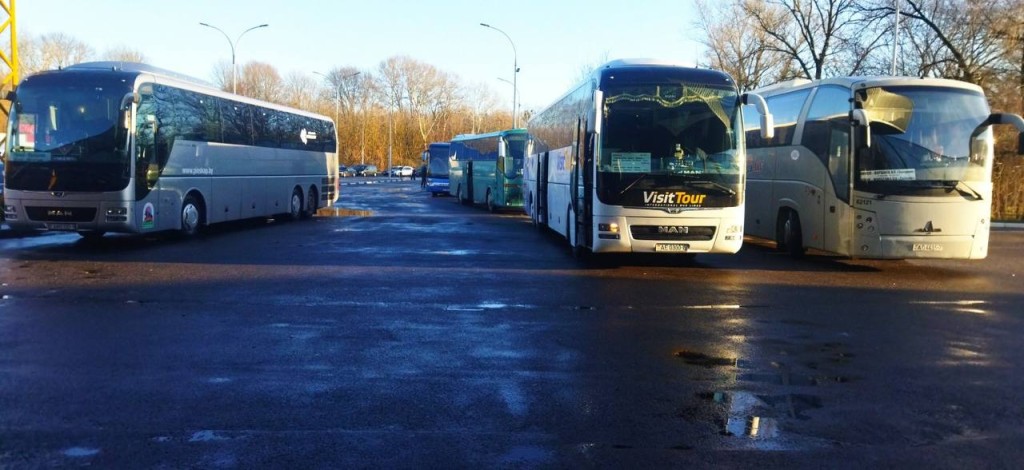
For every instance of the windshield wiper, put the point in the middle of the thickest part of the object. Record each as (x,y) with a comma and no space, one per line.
(630,185)
(720,187)
(962,188)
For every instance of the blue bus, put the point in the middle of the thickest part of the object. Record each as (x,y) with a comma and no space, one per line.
(436,159)
(488,168)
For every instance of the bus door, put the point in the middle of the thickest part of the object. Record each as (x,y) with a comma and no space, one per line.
(838,217)
(581,184)
(541,210)
(467,177)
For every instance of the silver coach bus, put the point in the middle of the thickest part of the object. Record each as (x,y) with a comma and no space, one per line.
(121,147)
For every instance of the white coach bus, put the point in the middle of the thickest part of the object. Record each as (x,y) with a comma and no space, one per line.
(121,147)
(879,167)
(642,157)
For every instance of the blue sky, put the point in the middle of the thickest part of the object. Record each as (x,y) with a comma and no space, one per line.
(554,39)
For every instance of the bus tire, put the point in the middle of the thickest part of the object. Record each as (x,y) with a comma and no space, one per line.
(490,202)
(789,234)
(191,216)
(295,205)
(312,203)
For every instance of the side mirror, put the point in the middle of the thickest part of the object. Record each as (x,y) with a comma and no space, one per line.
(1004,118)
(767,120)
(598,115)
(863,124)
(502,148)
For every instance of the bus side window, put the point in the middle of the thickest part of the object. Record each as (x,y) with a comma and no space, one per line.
(827,134)
(786,110)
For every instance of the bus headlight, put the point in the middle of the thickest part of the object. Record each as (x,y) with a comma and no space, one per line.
(117,214)
(10,212)
(612,227)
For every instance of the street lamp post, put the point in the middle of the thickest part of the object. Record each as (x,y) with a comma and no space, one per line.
(234,68)
(515,73)
(337,102)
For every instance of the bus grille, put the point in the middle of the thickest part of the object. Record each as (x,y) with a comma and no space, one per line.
(61,214)
(671,232)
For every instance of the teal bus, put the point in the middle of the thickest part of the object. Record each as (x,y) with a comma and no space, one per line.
(487,168)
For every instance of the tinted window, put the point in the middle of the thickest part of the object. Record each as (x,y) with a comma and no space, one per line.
(786,110)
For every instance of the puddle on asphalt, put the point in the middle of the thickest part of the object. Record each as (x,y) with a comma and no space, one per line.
(700,359)
(342,212)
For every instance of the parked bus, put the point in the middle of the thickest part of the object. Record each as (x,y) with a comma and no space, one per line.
(121,147)
(436,159)
(488,168)
(881,167)
(642,157)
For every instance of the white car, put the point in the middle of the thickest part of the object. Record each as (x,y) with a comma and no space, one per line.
(401,171)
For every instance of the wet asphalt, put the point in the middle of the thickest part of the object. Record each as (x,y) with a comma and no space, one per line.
(398,330)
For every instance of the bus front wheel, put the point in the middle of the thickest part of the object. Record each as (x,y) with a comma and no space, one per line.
(295,205)
(191,216)
(789,235)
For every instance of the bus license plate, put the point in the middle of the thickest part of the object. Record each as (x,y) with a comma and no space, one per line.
(671,247)
(70,227)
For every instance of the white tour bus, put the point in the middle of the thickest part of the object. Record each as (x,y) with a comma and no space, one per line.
(122,147)
(879,167)
(642,157)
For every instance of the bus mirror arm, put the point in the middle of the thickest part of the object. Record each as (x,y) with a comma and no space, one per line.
(860,120)
(767,120)
(1004,118)
(129,99)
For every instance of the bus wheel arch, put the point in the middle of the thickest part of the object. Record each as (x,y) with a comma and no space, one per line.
(193,214)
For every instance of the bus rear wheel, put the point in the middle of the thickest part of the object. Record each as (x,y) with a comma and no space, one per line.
(191,216)
(490,202)
(311,204)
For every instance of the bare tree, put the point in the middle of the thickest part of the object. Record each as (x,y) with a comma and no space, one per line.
(261,81)
(737,46)
(299,91)
(124,54)
(815,36)
(50,51)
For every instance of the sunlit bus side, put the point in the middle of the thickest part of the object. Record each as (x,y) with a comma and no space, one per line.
(881,167)
(120,147)
(487,169)
(642,157)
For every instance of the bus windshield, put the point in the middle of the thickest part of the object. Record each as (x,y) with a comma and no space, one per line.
(921,138)
(670,139)
(516,153)
(438,162)
(66,134)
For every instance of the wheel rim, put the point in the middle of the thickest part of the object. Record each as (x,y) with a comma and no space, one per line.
(296,207)
(189,218)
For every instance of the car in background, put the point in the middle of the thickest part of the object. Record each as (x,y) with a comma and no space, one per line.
(400,171)
(365,170)
(346,171)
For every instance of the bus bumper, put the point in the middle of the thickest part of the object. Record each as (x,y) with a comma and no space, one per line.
(666,235)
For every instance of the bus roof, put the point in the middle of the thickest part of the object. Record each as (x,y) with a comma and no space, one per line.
(462,137)
(168,77)
(858,82)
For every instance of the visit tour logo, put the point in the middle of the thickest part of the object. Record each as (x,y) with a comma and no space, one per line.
(673,199)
